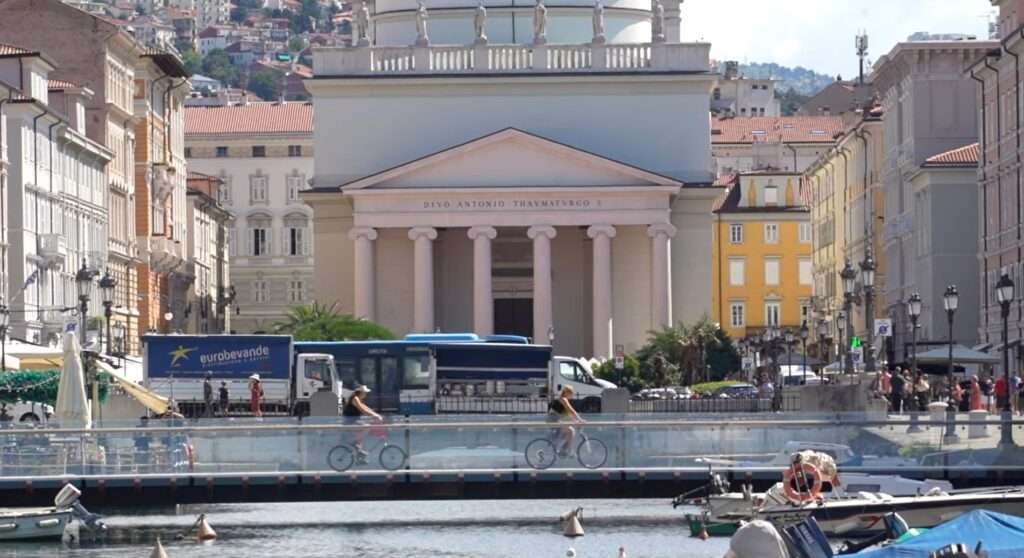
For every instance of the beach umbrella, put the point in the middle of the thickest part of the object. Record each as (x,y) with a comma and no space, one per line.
(72,409)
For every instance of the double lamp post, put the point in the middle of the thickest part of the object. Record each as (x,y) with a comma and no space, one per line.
(107,284)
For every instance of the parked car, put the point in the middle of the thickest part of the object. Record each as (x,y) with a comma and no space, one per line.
(737,391)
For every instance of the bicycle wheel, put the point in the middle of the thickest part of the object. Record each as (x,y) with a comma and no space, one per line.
(392,458)
(540,453)
(341,458)
(592,453)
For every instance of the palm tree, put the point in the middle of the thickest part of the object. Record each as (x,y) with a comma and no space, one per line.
(317,322)
(704,336)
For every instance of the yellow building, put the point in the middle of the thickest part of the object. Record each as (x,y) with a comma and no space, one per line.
(761,256)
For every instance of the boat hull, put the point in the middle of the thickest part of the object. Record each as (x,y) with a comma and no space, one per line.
(42,524)
(712,528)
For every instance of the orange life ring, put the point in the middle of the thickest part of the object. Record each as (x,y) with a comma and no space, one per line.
(802,483)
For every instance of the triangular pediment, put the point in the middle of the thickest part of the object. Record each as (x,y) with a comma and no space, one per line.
(511,158)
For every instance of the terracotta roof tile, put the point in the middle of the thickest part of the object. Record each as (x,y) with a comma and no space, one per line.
(784,129)
(254,118)
(60,85)
(967,155)
(11,50)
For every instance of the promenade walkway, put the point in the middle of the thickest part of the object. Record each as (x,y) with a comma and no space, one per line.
(465,457)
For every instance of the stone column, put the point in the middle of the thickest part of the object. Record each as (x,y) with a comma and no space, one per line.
(661,274)
(483,300)
(542,314)
(423,278)
(602,277)
(365,280)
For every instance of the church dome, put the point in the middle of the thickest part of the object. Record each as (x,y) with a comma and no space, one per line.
(511,21)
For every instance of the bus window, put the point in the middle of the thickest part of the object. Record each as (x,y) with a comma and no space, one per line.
(416,372)
(346,372)
(368,372)
(389,377)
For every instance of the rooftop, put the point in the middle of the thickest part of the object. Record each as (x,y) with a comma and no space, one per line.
(729,202)
(777,129)
(11,50)
(253,118)
(966,156)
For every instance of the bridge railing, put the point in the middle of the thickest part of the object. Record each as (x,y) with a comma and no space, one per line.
(463,443)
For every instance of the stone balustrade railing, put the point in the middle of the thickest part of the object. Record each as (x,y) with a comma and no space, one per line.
(511,58)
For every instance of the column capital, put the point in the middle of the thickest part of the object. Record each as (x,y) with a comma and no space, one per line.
(541,230)
(430,233)
(485,231)
(362,232)
(595,231)
(667,229)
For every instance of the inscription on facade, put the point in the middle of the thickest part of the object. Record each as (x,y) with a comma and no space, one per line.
(512,204)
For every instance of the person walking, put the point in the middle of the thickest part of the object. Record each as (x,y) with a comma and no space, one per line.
(255,395)
(224,399)
(208,396)
(922,391)
(976,402)
(987,390)
(897,391)
(1002,391)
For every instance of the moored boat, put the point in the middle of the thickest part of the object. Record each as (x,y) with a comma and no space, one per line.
(18,524)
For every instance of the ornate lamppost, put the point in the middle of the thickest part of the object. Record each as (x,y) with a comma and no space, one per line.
(950,301)
(914,312)
(790,339)
(867,275)
(83,281)
(107,286)
(822,336)
(5,322)
(1004,294)
(849,277)
(804,332)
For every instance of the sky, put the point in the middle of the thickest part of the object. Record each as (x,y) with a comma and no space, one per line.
(819,34)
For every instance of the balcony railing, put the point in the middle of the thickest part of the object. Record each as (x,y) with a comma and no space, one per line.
(511,58)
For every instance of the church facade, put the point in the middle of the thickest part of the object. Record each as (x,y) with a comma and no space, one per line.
(555,189)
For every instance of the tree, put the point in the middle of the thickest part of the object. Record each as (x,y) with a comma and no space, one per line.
(723,359)
(193,62)
(682,352)
(296,44)
(317,322)
(630,377)
(266,83)
(217,65)
(239,13)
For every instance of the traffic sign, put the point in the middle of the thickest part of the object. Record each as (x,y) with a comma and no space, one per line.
(620,357)
(858,354)
(883,327)
(748,363)
(854,342)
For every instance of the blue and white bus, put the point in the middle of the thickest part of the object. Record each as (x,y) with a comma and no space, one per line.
(445,373)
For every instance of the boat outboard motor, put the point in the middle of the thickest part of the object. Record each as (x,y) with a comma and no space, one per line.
(68,498)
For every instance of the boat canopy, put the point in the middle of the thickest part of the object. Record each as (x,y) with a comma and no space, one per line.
(1001,535)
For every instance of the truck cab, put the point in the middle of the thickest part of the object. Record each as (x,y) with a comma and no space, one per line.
(576,372)
(314,372)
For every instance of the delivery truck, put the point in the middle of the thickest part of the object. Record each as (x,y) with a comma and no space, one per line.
(176,366)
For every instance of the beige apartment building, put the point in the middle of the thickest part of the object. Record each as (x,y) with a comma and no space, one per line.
(92,52)
(209,298)
(161,87)
(847,208)
(997,77)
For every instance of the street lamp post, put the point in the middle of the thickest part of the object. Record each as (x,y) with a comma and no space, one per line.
(1004,294)
(914,311)
(822,335)
(107,285)
(789,338)
(867,275)
(83,281)
(840,325)
(849,277)
(950,301)
(5,321)
(119,336)
(804,332)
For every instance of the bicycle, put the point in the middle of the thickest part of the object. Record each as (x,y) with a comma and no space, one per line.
(542,452)
(391,457)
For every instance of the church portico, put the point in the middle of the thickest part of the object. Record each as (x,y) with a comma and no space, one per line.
(552,190)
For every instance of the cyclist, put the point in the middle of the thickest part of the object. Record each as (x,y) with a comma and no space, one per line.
(560,410)
(353,411)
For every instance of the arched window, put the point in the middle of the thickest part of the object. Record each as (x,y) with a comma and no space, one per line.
(296,230)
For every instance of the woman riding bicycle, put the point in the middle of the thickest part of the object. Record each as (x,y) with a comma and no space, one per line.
(355,408)
(560,410)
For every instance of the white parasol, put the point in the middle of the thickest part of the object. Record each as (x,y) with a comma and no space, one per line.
(72,406)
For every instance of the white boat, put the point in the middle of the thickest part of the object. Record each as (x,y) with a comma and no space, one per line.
(18,524)
(33,523)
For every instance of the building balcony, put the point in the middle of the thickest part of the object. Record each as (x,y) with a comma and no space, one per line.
(511,58)
(53,250)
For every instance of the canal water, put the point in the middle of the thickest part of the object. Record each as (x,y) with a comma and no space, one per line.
(441,529)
